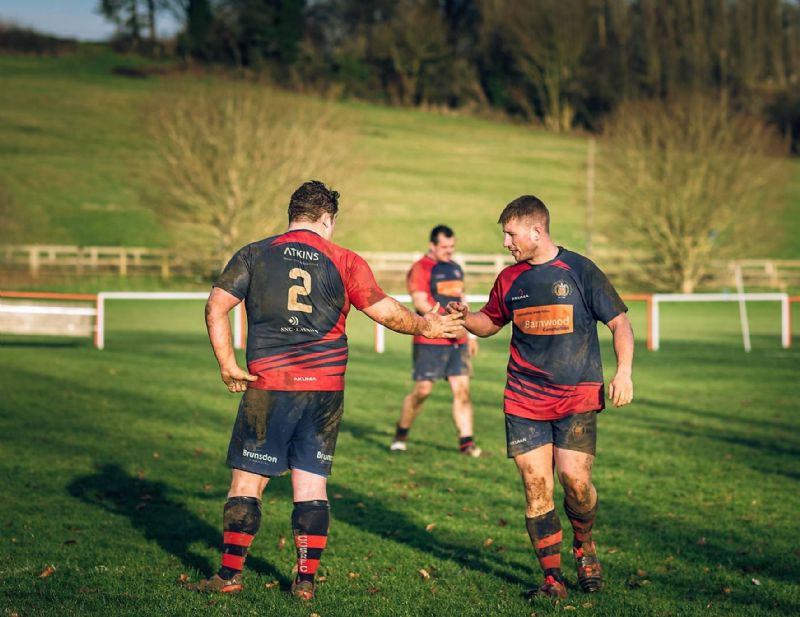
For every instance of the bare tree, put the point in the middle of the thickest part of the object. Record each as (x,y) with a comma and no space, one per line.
(686,180)
(227,157)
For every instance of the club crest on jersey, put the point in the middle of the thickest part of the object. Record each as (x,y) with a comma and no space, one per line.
(561,289)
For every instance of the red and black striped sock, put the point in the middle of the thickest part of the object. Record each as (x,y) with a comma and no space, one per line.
(582,524)
(545,534)
(310,523)
(240,522)
(465,442)
(401,434)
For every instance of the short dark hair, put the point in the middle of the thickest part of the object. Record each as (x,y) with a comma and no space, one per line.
(311,200)
(441,230)
(526,206)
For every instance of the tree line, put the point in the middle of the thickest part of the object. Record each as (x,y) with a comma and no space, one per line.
(561,63)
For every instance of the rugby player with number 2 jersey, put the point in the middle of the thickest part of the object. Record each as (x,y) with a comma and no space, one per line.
(554,389)
(298,288)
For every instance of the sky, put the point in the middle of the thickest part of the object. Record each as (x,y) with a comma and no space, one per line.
(68,18)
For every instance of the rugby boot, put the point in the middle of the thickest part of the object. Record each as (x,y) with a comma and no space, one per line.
(398,446)
(590,574)
(472,450)
(304,590)
(550,588)
(217,584)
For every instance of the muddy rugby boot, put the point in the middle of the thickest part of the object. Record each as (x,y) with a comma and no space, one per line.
(472,450)
(303,590)
(217,584)
(550,588)
(590,574)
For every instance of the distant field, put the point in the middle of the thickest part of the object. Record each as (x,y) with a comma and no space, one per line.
(113,472)
(71,142)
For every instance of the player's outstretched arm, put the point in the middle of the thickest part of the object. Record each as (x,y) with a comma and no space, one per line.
(390,313)
(477,323)
(219,304)
(620,389)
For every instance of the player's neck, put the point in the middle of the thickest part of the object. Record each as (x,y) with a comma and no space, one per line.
(317,227)
(544,253)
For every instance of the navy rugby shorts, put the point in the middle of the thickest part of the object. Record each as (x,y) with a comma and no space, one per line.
(433,362)
(577,431)
(277,430)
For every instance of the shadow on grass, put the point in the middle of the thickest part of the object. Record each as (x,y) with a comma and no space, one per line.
(169,523)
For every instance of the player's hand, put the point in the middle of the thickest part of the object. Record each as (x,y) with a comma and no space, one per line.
(236,378)
(473,347)
(442,326)
(620,390)
(457,307)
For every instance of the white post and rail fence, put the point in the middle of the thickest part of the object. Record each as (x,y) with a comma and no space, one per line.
(35,261)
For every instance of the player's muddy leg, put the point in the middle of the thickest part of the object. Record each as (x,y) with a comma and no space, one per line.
(412,406)
(462,414)
(544,527)
(241,519)
(580,504)
(310,523)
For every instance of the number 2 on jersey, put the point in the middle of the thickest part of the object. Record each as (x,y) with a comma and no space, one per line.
(299,290)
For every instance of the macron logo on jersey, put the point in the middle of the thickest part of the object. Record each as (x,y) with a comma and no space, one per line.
(299,254)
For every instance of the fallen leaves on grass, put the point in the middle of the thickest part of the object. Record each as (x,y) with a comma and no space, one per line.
(183,577)
(570,607)
(50,570)
(502,522)
(424,574)
(702,541)
(488,542)
(156,455)
(726,590)
(353,574)
(372,590)
(755,582)
(322,579)
(587,605)
(271,584)
(314,615)
(430,526)
(611,550)
(88,590)
(281,543)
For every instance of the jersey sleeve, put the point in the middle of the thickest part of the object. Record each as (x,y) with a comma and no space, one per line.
(362,288)
(605,301)
(418,279)
(235,278)
(495,308)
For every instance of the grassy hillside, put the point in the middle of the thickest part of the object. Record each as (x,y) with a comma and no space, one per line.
(71,138)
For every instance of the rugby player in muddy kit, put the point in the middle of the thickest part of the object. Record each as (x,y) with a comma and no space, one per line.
(436,278)
(554,390)
(297,288)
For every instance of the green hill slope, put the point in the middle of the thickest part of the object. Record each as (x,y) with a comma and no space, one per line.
(71,136)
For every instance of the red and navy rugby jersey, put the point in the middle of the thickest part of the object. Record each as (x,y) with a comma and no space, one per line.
(554,366)
(443,282)
(298,288)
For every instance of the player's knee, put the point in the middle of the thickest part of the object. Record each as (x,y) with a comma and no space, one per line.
(422,390)
(577,491)
(538,492)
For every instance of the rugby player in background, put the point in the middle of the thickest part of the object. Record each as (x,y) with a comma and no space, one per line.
(554,387)
(436,278)
(298,288)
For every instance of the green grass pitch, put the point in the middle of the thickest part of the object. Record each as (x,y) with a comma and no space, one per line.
(113,472)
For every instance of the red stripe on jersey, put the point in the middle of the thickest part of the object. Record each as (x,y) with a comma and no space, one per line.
(549,540)
(551,561)
(584,397)
(307,566)
(233,561)
(309,541)
(299,361)
(560,264)
(524,363)
(237,539)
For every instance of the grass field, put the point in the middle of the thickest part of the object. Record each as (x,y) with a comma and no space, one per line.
(113,472)
(72,140)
